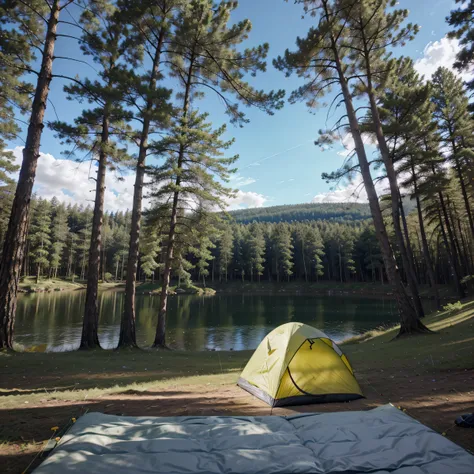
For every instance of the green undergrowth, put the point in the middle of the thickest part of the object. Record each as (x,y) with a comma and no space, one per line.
(29,285)
(155,289)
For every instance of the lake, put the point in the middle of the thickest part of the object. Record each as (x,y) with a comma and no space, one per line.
(53,321)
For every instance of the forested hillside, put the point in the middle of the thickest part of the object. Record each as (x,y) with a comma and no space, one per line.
(334,248)
(319,242)
(304,212)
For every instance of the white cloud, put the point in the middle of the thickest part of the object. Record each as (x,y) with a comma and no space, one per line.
(244,199)
(351,192)
(69,182)
(240,181)
(349,145)
(439,53)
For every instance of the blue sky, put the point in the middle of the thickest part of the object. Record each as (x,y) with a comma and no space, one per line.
(292,166)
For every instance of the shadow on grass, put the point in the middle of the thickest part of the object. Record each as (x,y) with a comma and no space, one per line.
(28,374)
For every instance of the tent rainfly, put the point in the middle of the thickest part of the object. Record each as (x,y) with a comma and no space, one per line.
(297,364)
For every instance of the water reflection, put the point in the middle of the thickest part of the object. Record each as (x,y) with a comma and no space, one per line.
(53,321)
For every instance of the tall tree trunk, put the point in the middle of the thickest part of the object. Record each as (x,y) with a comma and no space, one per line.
(128,322)
(451,261)
(340,264)
(277,269)
(304,261)
(15,237)
(452,219)
(411,259)
(90,326)
(160,336)
(411,255)
(409,321)
(424,242)
(465,248)
(452,255)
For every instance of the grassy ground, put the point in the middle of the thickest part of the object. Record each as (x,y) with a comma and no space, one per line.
(450,347)
(431,376)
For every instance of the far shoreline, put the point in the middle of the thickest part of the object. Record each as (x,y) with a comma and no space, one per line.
(265,288)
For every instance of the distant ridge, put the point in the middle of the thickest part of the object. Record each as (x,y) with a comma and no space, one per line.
(342,212)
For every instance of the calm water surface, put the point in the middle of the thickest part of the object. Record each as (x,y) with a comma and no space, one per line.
(53,321)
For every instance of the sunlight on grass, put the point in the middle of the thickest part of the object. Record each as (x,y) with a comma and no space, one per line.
(435,321)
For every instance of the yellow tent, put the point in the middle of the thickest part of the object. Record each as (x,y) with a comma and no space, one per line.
(296,364)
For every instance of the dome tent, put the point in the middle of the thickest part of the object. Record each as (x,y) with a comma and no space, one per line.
(296,364)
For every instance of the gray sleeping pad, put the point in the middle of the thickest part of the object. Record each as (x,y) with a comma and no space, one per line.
(383,440)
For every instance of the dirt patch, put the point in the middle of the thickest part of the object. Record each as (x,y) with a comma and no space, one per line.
(434,398)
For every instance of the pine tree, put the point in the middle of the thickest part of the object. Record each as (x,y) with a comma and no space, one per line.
(150,250)
(283,251)
(314,248)
(100,130)
(15,238)
(406,114)
(205,58)
(40,236)
(225,246)
(462,20)
(432,188)
(203,252)
(324,60)
(18,25)
(59,234)
(372,258)
(71,244)
(456,130)
(152,24)
(7,190)
(192,154)
(256,251)
(373,30)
